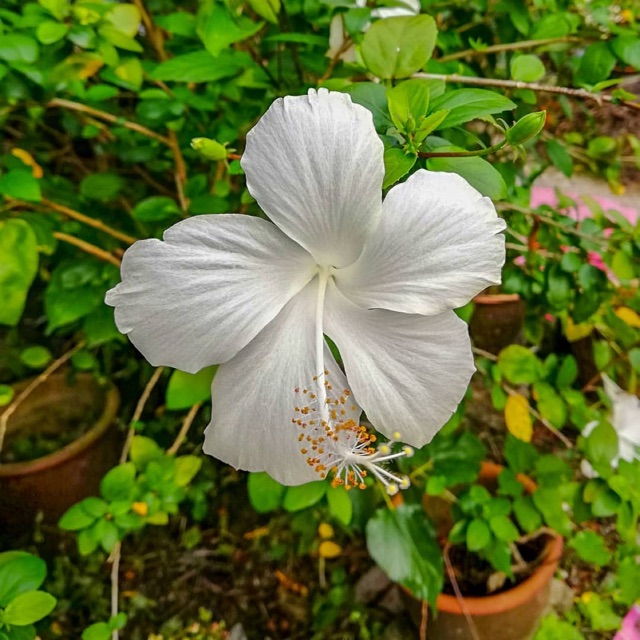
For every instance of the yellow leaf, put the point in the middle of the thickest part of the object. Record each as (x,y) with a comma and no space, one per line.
(518,418)
(329,549)
(575,332)
(27,159)
(140,508)
(325,530)
(629,316)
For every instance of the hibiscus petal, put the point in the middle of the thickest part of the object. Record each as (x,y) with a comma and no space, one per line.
(254,396)
(408,372)
(314,164)
(200,296)
(437,245)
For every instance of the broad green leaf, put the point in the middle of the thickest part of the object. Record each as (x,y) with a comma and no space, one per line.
(101,186)
(49,32)
(627,48)
(116,38)
(143,450)
(186,469)
(218,30)
(527,68)
(591,548)
(409,99)
(478,535)
(21,185)
(201,66)
(97,631)
(16,47)
(374,97)
(267,9)
(125,18)
(303,496)
(130,73)
(18,268)
(340,505)
(403,544)
(468,104)
(596,63)
(94,506)
(36,357)
(527,515)
(28,608)
(118,483)
(477,171)
(519,365)
(398,47)
(623,265)
(186,389)
(156,208)
(550,404)
(179,23)
(76,518)
(265,494)
(19,572)
(396,165)
(559,156)
(601,447)
(503,528)
(599,612)
(554,629)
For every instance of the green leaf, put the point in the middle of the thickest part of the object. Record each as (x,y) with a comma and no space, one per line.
(87,542)
(303,496)
(119,482)
(623,265)
(218,30)
(477,171)
(599,613)
(568,372)
(19,572)
(49,32)
(186,469)
(156,208)
(16,47)
(526,514)
(591,548)
(398,47)
(409,99)
(265,494)
(596,63)
(468,104)
(97,631)
(373,97)
(125,18)
(116,38)
(179,23)
(18,268)
(627,48)
(503,528)
(527,68)
(340,505)
(478,535)
(601,447)
(396,165)
(267,9)
(36,357)
(76,518)
(519,365)
(6,394)
(21,185)
(107,534)
(509,485)
(186,389)
(101,186)
(554,629)
(28,608)
(559,156)
(143,450)
(94,506)
(550,404)
(403,543)
(201,66)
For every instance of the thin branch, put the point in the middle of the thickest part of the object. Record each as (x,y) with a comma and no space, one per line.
(180,171)
(108,117)
(335,59)
(186,424)
(138,412)
(511,46)
(580,94)
(54,366)
(462,154)
(424,613)
(115,573)
(89,248)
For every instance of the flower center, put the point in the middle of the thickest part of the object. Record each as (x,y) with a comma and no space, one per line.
(334,443)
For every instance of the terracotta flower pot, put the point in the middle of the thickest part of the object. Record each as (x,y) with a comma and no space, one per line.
(510,615)
(496,321)
(52,483)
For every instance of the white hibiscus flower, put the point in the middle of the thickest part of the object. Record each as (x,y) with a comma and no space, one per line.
(379,278)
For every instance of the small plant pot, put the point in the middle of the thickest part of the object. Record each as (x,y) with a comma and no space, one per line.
(52,483)
(496,321)
(510,615)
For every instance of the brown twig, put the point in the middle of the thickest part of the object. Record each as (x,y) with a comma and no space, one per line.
(424,613)
(108,117)
(456,589)
(138,412)
(511,46)
(115,573)
(89,248)
(180,171)
(186,424)
(10,410)
(335,59)
(580,94)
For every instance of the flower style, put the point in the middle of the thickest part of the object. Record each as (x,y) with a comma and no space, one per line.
(379,278)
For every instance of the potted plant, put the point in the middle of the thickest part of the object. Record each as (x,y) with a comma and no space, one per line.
(482,544)
(58,446)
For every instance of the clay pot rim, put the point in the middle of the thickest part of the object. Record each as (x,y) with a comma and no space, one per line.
(95,432)
(521,593)
(496,298)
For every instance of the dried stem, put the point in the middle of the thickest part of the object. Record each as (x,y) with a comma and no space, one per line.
(424,613)
(115,573)
(186,424)
(55,365)
(138,412)
(89,248)
(511,46)
(580,94)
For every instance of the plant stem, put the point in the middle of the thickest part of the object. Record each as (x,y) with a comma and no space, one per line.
(462,154)
(182,434)
(89,248)
(580,94)
(115,572)
(510,46)
(10,410)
